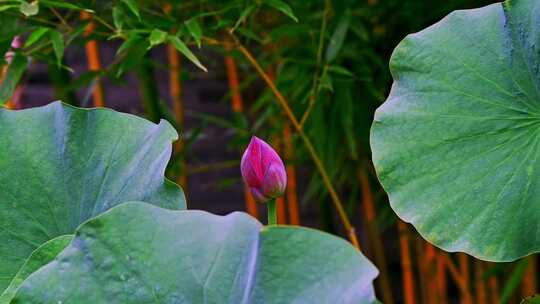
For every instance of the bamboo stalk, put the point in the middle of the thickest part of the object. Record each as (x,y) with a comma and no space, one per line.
(94,62)
(441,278)
(251,204)
(237,107)
(460,277)
(148,89)
(465,278)
(406,264)
(480,287)
(280,201)
(232,76)
(315,82)
(175,91)
(431,273)
(292,197)
(370,217)
(529,284)
(422,268)
(493,284)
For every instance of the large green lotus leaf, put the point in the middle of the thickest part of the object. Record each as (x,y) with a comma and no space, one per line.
(456,144)
(139,253)
(43,255)
(61,165)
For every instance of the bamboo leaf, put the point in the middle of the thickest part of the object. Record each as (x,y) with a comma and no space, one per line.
(283,7)
(245,13)
(8,6)
(133,7)
(65,5)
(57,41)
(340,70)
(36,35)
(156,37)
(29,9)
(195,30)
(336,41)
(182,48)
(14,73)
(118,17)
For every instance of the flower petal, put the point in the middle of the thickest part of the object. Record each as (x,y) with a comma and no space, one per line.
(259,197)
(275,181)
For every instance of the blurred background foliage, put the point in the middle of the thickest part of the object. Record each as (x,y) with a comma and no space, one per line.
(305,75)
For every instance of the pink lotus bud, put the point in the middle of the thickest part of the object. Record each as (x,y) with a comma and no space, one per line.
(263,171)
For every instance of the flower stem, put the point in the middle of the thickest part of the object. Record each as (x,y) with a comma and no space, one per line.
(272,217)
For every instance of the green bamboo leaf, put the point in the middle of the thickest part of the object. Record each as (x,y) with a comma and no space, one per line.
(340,70)
(67,165)
(64,5)
(133,7)
(133,51)
(139,253)
(118,17)
(338,37)
(14,73)
(8,6)
(283,7)
(456,144)
(182,48)
(326,82)
(35,36)
(29,9)
(57,41)
(156,37)
(195,30)
(131,41)
(245,13)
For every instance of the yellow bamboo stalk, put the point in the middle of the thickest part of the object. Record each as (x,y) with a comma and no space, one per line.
(237,107)
(406,264)
(280,201)
(441,278)
(175,91)
(479,283)
(93,59)
(370,216)
(529,283)
(466,296)
(292,198)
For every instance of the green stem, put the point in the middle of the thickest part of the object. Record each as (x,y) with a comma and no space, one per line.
(272,217)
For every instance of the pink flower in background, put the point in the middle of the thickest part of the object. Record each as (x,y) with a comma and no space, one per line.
(15,44)
(263,171)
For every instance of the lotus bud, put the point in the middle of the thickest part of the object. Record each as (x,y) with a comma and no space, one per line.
(263,171)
